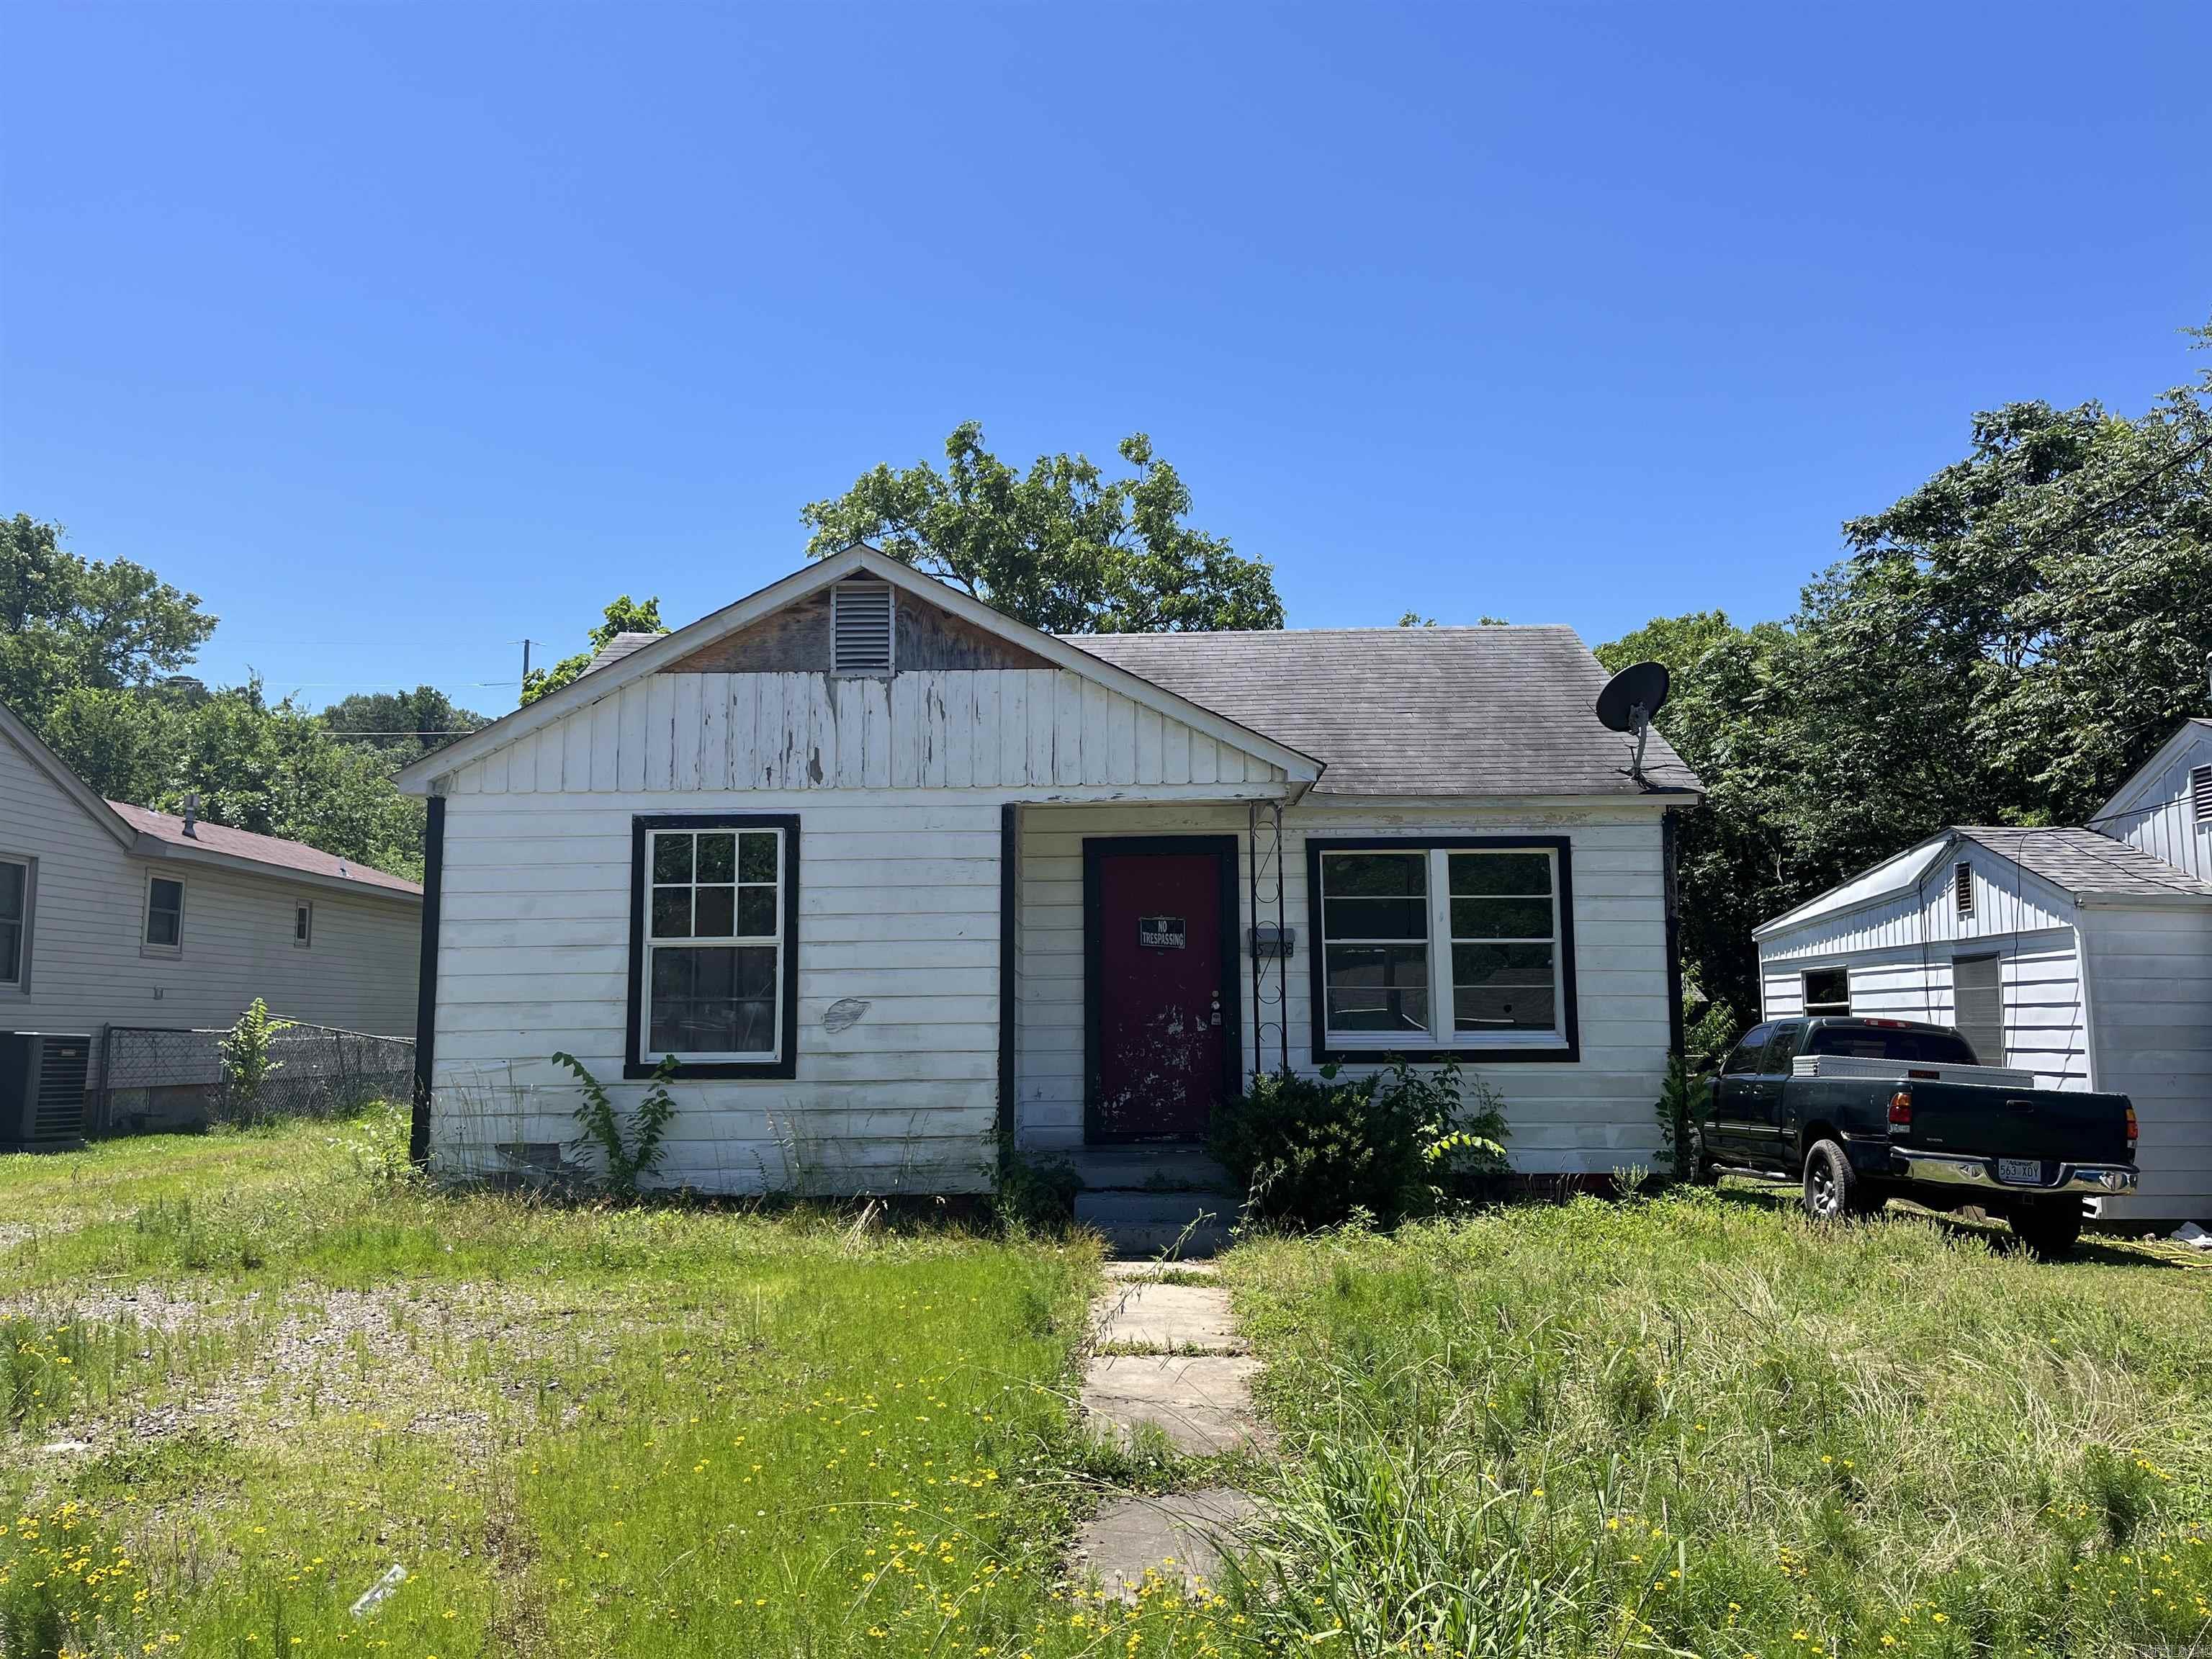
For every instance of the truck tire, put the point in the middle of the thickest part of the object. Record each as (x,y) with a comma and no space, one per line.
(1702,1172)
(1831,1184)
(2049,1227)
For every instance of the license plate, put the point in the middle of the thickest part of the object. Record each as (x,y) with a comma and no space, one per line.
(2021,1171)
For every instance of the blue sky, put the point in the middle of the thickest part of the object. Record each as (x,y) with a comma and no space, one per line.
(401,333)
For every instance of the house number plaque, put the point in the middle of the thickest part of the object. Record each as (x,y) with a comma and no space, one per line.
(1161,932)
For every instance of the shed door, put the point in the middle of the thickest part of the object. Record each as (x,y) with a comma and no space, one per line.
(1977,990)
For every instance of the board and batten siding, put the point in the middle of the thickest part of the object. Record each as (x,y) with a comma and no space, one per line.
(2160,818)
(86,969)
(898,911)
(1009,729)
(1590,1116)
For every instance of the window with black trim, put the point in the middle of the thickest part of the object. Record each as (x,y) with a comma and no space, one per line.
(165,916)
(1826,990)
(1456,947)
(14,923)
(303,926)
(714,930)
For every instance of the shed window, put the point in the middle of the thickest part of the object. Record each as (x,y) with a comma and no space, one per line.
(860,627)
(303,926)
(1962,888)
(15,922)
(714,928)
(2200,795)
(1443,947)
(1827,990)
(165,915)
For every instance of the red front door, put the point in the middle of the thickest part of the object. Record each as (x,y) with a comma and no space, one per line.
(1160,1027)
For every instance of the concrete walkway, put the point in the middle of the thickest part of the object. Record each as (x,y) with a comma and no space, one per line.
(1169,1356)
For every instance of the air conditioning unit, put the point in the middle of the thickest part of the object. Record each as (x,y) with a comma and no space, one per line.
(42,1075)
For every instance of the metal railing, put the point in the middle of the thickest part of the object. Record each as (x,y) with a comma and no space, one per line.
(159,1078)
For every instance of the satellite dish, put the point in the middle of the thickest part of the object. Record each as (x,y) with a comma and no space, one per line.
(1630,701)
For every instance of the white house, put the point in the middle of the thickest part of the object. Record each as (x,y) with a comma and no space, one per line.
(115,916)
(894,877)
(2082,954)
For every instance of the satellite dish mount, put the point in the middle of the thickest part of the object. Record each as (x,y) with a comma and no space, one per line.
(1631,701)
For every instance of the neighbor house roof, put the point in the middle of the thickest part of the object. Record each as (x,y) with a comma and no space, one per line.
(2085,863)
(617,648)
(292,857)
(1411,711)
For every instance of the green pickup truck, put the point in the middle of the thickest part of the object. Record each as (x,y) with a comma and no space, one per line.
(1865,1110)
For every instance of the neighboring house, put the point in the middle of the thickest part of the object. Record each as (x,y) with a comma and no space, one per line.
(2081,954)
(894,877)
(113,915)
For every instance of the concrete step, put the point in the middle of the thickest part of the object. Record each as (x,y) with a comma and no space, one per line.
(1145,1223)
(1152,1169)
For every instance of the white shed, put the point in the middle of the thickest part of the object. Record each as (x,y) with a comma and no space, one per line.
(2081,954)
(896,879)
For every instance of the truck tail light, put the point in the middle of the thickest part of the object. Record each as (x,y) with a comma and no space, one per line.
(2131,1127)
(1900,1112)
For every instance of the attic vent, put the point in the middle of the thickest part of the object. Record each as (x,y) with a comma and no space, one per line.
(2200,793)
(860,627)
(1962,888)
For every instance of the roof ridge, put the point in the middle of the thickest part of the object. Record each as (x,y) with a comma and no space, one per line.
(1430,630)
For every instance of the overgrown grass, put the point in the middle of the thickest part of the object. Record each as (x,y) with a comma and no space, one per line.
(1701,1426)
(247,1373)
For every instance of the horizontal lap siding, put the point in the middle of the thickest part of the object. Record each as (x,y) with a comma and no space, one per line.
(86,969)
(898,908)
(2152,990)
(951,729)
(1591,1116)
(2163,822)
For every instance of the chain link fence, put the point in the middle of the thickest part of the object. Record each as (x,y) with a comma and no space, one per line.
(155,1078)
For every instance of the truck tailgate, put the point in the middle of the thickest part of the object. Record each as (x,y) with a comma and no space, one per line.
(2025,1123)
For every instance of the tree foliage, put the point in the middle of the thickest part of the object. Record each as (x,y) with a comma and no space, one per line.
(1062,547)
(403,725)
(2003,645)
(67,621)
(622,616)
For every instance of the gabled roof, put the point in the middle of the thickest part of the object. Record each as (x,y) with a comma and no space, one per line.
(1491,710)
(616,649)
(148,833)
(664,649)
(292,857)
(2127,799)
(2085,865)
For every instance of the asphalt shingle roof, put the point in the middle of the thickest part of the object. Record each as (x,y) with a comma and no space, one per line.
(277,854)
(1410,711)
(2082,861)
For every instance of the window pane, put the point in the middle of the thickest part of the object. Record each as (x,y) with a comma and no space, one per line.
(1503,988)
(1501,917)
(1376,918)
(718,858)
(1378,987)
(671,857)
(715,911)
(162,927)
(1477,874)
(168,895)
(1827,990)
(756,912)
(11,952)
(756,856)
(671,912)
(11,892)
(1376,875)
(715,1000)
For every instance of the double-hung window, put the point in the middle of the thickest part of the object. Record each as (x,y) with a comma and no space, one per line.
(165,917)
(15,924)
(1430,948)
(714,944)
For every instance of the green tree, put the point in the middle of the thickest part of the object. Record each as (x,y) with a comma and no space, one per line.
(1061,547)
(403,725)
(67,621)
(623,615)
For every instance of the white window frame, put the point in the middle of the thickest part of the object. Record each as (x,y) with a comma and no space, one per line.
(303,937)
(1442,1036)
(146,946)
(18,981)
(647,1055)
(1825,1010)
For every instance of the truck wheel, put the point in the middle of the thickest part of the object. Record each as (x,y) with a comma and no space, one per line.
(2051,1228)
(1831,1184)
(1702,1172)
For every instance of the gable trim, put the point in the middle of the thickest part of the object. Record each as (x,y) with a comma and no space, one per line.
(2128,800)
(67,781)
(587,689)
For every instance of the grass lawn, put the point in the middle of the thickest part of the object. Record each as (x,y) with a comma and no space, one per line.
(242,1375)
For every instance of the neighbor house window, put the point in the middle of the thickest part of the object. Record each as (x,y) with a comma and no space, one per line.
(303,926)
(714,928)
(14,923)
(1440,947)
(165,915)
(1827,990)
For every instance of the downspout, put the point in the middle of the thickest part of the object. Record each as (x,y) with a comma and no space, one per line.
(1677,1036)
